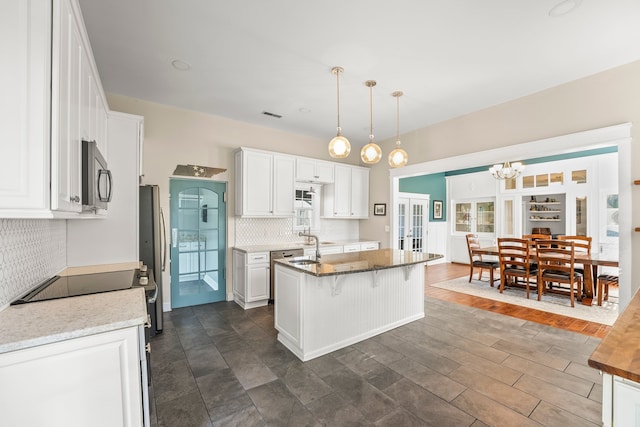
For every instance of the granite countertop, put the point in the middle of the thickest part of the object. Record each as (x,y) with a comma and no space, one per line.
(299,245)
(357,262)
(33,324)
(617,354)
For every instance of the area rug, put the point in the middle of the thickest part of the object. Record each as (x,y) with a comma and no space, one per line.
(552,303)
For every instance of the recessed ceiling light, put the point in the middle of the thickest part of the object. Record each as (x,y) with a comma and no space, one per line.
(180,65)
(564,7)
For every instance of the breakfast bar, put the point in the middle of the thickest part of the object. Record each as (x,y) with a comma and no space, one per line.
(325,305)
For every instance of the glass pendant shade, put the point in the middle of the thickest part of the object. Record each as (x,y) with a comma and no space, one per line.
(339,147)
(398,158)
(371,153)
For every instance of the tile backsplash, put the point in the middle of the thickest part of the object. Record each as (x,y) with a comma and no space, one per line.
(263,231)
(31,250)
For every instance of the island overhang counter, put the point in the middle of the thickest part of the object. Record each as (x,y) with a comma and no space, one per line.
(346,298)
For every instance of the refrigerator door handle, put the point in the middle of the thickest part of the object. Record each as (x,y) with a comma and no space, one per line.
(164,240)
(174,237)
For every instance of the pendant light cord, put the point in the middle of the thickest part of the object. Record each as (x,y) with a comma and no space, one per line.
(371,112)
(398,120)
(338,70)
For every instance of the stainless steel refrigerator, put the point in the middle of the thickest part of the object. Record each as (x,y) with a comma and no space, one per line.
(153,245)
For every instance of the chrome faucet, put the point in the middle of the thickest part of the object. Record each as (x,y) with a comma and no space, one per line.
(308,236)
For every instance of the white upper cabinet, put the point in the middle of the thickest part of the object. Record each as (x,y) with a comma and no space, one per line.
(52,99)
(25,105)
(265,184)
(348,196)
(312,170)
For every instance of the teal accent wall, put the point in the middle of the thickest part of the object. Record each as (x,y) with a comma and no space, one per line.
(436,186)
(433,184)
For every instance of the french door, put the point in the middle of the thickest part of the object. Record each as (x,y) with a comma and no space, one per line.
(412,217)
(198,242)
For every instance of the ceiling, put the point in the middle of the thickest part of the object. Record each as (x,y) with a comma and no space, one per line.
(449,57)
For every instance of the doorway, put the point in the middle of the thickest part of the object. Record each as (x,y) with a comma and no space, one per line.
(198,241)
(412,216)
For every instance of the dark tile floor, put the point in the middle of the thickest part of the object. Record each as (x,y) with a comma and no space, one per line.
(217,364)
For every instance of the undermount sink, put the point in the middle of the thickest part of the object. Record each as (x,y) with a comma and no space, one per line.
(327,243)
(303,261)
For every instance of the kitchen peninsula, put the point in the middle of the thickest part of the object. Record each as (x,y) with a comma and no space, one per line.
(342,299)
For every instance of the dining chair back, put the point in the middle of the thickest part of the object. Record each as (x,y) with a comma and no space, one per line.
(477,260)
(581,244)
(514,256)
(556,264)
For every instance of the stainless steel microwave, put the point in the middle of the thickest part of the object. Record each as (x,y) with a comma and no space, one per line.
(97,182)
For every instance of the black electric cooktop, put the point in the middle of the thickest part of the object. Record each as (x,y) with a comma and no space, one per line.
(85,284)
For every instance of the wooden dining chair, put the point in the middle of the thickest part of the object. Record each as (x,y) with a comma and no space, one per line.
(556,264)
(477,260)
(604,280)
(581,244)
(514,256)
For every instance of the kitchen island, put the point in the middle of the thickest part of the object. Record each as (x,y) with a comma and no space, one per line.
(617,359)
(324,306)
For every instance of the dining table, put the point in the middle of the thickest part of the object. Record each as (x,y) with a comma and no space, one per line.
(586,259)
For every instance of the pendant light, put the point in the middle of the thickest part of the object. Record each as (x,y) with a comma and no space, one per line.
(398,157)
(339,147)
(371,153)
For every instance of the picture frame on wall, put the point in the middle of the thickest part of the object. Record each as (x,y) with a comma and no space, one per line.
(437,209)
(380,209)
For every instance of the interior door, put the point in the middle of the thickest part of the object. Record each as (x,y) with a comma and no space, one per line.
(412,219)
(198,242)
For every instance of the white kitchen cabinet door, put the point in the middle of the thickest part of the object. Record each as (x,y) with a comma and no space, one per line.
(94,380)
(283,185)
(69,61)
(256,169)
(360,193)
(316,171)
(342,192)
(258,282)
(265,184)
(25,105)
(324,172)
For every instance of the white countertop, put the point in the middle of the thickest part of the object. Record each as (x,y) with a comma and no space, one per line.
(300,245)
(29,325)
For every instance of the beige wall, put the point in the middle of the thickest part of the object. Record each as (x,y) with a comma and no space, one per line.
(175,136)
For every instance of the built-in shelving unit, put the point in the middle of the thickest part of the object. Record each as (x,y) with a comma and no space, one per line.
(545,210)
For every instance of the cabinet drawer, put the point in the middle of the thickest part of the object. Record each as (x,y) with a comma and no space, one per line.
(372,246)
(258,258)
(351,248)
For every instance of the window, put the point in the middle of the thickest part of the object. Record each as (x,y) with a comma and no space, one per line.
(307,208)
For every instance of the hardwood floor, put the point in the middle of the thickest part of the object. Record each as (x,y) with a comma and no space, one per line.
(447,271)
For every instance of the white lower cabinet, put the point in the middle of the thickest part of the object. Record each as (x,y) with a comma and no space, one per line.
(352,248)
(370,246)
(94,380)
(620,402)
(251,275)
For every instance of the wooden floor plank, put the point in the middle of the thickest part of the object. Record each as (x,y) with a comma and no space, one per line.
(448,271)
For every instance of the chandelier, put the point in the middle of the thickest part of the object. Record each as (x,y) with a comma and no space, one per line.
(506,170)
